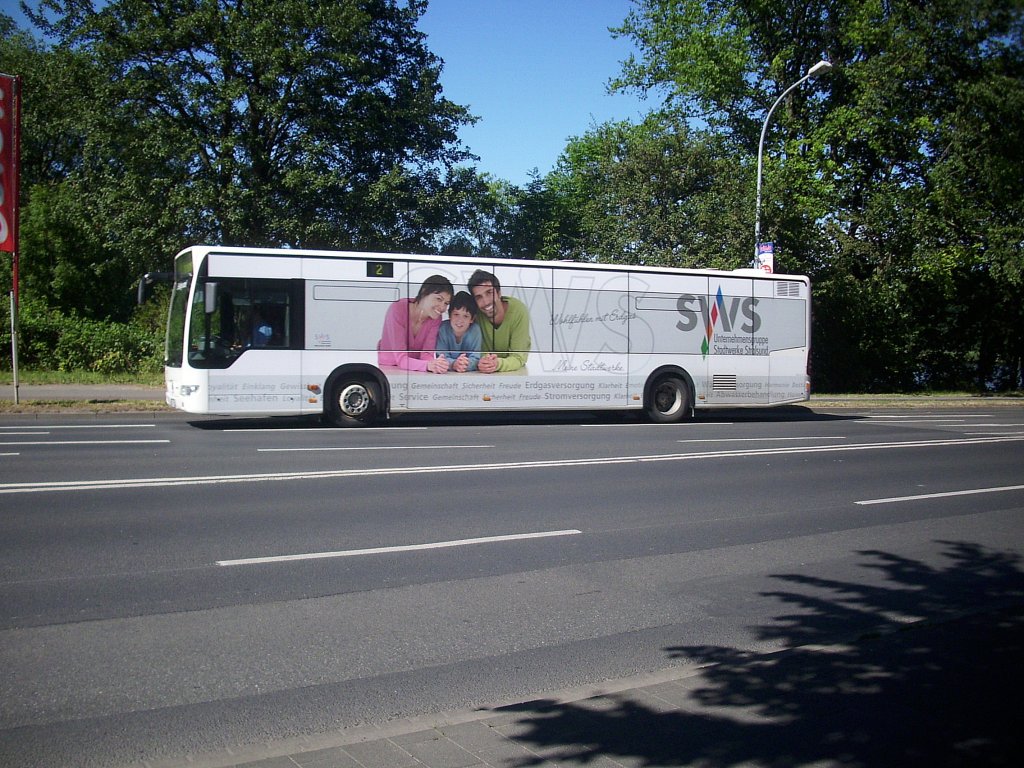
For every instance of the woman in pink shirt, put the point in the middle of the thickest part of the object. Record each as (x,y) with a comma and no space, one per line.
(409,337)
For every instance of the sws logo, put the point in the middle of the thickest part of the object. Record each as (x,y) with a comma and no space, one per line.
(710,315)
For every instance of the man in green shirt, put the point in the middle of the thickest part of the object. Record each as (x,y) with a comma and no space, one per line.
(504,324)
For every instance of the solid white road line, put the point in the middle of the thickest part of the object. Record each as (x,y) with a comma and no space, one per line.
(754,439)
(997,425)
(88,426)
(687,425)
(944,495)
(919,423)
(392,550)
(82,442)
(167,482)
(937,417)
(373,448)
(316,431)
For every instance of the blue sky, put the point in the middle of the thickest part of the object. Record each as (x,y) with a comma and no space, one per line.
(534,71)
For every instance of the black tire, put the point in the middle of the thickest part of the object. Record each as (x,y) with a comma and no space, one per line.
(353,402)
(669,401)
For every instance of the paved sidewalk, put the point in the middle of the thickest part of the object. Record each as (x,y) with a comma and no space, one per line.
(930,694)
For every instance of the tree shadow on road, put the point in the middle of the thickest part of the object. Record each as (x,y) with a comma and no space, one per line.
(922,671)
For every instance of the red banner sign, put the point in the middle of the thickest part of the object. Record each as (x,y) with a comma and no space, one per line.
(9,126)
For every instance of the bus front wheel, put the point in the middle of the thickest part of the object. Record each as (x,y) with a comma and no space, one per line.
(353,403)
(669,401)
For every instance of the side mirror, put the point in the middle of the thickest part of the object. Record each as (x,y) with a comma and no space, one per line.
(210,297)
(146,283)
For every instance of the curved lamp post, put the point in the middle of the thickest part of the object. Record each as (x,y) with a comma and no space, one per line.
(818,69)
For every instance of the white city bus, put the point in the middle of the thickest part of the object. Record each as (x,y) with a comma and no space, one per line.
(278,332)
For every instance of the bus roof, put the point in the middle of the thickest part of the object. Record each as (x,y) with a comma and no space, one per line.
(203,250)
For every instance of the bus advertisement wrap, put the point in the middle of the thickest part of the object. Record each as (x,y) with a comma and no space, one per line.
(280,332)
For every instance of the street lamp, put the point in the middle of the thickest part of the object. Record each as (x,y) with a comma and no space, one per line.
(820,68)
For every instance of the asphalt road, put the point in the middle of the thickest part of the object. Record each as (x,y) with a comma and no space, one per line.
(170,585)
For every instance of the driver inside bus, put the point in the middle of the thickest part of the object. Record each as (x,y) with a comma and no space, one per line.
(262,331)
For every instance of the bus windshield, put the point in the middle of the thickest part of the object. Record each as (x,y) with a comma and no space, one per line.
(175,342)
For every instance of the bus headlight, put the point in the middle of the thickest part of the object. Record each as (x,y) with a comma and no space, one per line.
(187,389)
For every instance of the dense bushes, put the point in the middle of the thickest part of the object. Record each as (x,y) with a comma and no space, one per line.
(51,340)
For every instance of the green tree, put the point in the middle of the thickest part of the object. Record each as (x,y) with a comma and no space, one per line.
(652,193)
(499,219)
(892,182)
(312,123)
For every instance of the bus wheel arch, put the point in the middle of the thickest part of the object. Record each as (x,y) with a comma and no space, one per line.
(669,395)
(355,396)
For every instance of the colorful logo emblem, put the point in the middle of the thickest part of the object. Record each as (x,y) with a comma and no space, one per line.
(717,310)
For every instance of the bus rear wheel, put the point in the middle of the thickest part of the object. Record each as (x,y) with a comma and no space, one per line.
(354,402)
(669,401)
